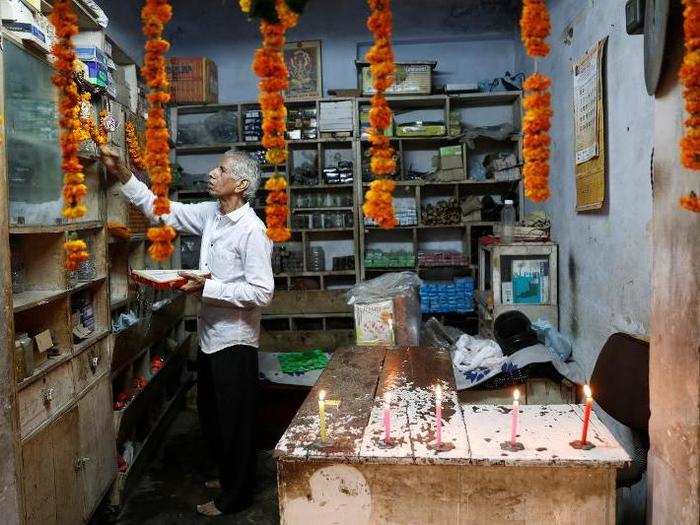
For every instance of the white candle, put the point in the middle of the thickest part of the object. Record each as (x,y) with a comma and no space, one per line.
(438,416)
(514,416)
(322,414)
(387,418)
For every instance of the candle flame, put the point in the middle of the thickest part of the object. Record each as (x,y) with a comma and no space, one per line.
(387,398)
(587,391)
(516,394)
(322,395)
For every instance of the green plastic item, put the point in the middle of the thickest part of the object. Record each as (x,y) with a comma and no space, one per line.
(300,362)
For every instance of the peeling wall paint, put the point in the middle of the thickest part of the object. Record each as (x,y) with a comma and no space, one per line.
(605,257)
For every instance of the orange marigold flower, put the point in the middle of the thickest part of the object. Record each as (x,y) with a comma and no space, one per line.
(535,27)
(690,202)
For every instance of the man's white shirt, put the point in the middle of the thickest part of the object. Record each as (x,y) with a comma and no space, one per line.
(236,251)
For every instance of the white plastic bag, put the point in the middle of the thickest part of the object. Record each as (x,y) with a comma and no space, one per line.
(471,353)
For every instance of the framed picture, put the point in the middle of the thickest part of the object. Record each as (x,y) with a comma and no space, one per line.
(303,60)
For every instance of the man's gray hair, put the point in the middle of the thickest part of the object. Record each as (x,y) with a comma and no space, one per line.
(243,167)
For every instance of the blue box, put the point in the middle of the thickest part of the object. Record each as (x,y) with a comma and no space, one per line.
(91,54)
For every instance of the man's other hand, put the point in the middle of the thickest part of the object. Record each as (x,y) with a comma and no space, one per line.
(195,283)
(114,165)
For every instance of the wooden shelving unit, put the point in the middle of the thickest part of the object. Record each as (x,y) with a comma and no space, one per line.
(289,303)
(66,440)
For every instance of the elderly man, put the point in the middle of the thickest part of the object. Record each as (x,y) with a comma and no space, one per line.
(237,253)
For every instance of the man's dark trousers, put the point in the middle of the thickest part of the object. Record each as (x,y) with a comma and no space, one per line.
(227,397)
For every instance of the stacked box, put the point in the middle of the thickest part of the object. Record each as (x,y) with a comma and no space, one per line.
(193,80)
(252,125)
(437,259)
(456,296)
(336,116)
(398,259)
(302,124)
(346,262)
(341,173)
(285,260)
(405,215)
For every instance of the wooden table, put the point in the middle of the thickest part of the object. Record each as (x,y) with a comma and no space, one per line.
(352,479)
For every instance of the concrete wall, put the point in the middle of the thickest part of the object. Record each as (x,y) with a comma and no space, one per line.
(472,40)
(605,258)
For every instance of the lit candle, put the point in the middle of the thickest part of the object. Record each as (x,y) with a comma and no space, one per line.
(586,413)
(387,418)
(322,414)
(438,416)
(514,416)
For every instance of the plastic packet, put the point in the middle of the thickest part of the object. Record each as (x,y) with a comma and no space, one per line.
(387,310)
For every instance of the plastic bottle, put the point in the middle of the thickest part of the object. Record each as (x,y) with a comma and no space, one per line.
(507,222)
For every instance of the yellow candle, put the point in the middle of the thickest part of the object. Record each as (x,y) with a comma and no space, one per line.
(322,414)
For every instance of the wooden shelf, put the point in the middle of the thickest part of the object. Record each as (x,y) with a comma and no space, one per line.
(324,230)
(468,182)
(329,208)
(26,300)
(50,364)
(137,237)
(56,228)
(87,284)
(98,336)
(316,274)
(320,186)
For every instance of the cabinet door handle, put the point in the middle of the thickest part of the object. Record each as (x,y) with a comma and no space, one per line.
(47,394)
(94,361)
(81,462)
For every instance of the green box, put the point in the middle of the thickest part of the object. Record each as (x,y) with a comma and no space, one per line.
(449,151)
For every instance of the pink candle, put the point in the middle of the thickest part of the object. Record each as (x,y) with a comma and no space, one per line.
(387,418)
(586,413)
(514,416)
(438,416)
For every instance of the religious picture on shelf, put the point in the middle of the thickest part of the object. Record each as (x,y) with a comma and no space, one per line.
(303,61)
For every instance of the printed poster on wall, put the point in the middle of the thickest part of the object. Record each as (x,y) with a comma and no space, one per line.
(303,61)
(585,106)
(589,128)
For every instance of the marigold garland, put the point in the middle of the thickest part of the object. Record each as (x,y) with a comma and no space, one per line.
(379,204)
(269,66)
(535,27)
(690,78)
(65,23)
(154,15)
(161,238)
(277,209)
(134,147)
(76,253)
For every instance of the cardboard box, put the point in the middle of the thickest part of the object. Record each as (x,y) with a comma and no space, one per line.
(29,33)
(451,175)
(412,78)
(15,11)
(193,80)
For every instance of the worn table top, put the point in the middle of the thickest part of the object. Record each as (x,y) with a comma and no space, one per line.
(358,377)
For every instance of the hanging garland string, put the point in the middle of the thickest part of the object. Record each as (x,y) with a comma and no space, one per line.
(277,16)
(379,202)
(134,147)
(690,78)
(65,23)
(535,27)
(154,15)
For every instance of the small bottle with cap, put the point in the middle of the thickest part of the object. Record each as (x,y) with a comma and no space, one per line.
(507,222)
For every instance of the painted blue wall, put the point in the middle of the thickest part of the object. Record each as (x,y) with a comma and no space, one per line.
(604,257)
(473,40)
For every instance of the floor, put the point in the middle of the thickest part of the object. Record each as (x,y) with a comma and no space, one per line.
(173,484)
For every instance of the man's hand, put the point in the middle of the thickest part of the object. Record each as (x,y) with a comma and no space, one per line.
(195,283)
(114,165)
